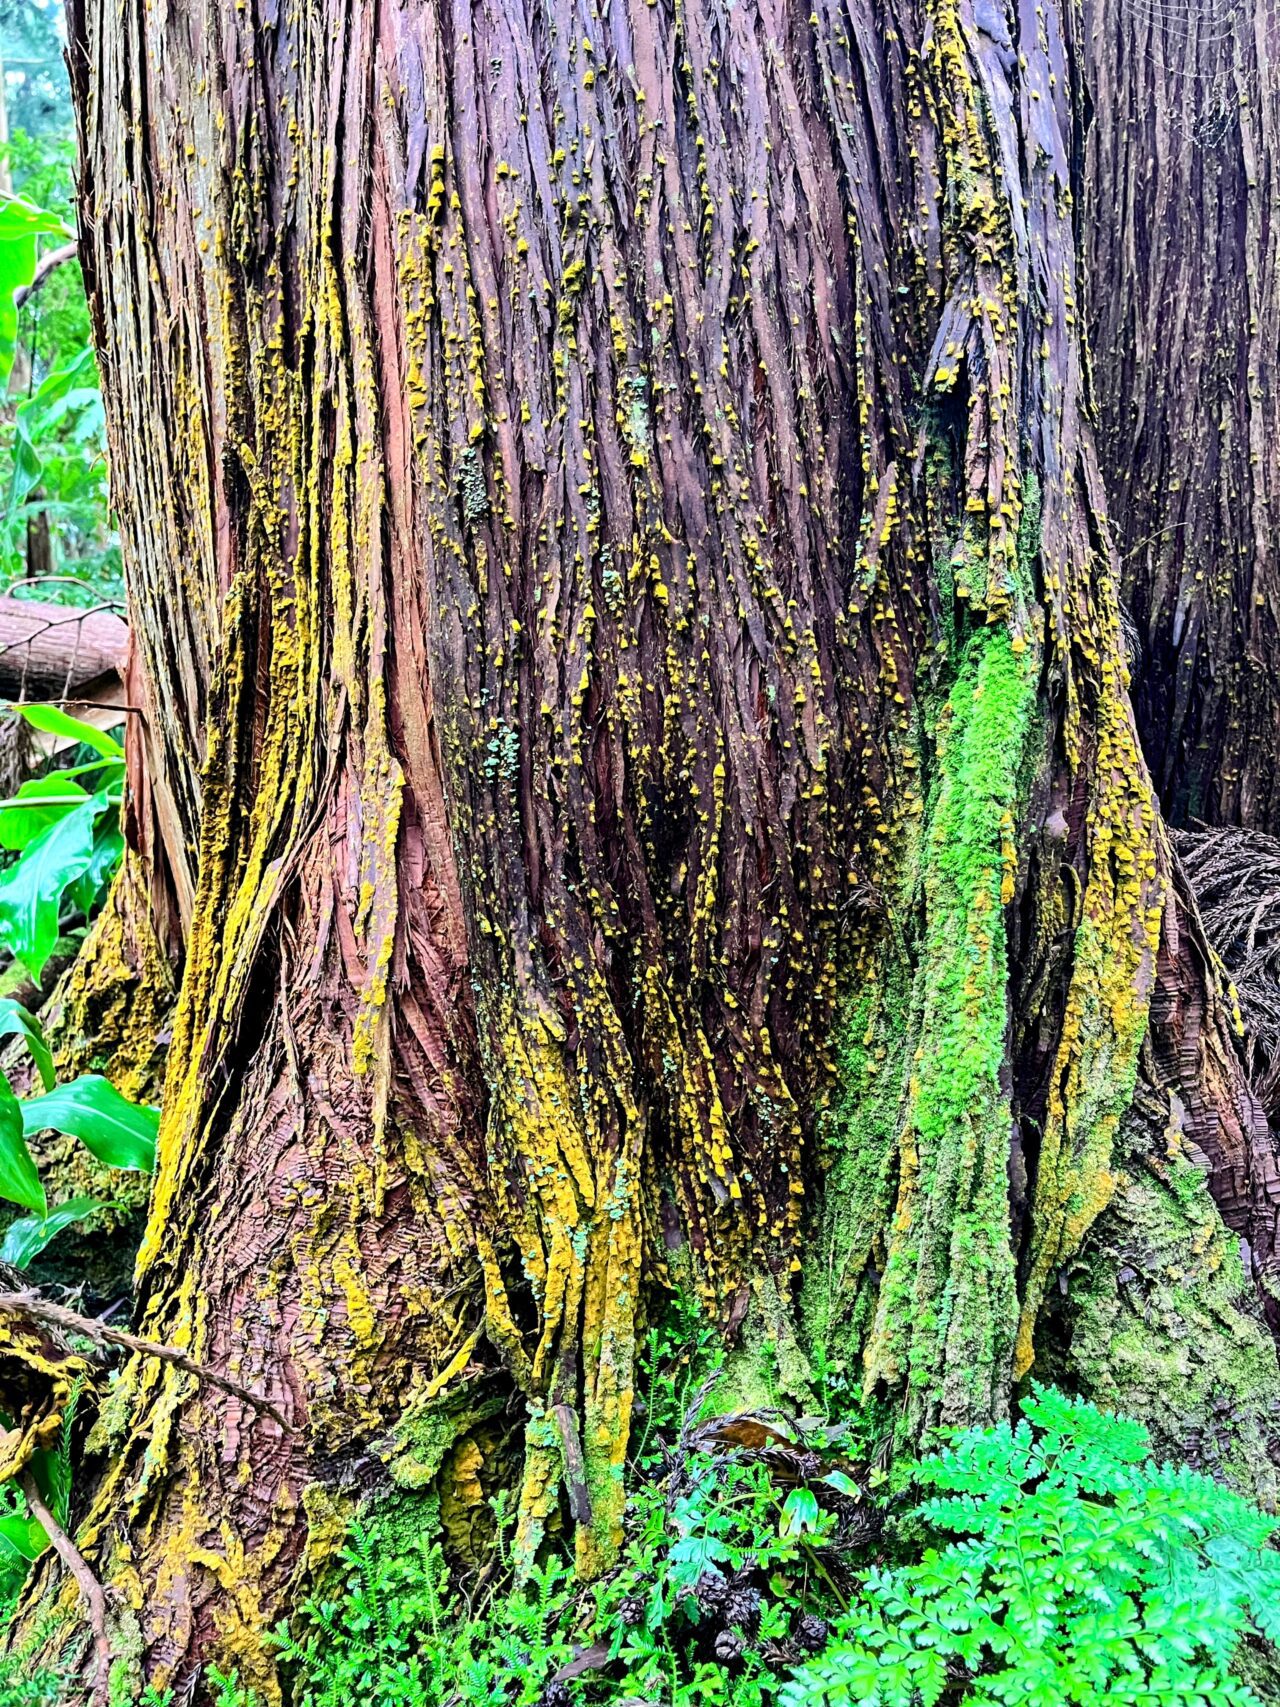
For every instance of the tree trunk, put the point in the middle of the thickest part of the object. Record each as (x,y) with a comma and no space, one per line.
(1184,267)
(639,745)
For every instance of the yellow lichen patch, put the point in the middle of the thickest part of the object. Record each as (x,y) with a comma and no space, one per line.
(38,1374)
(1112,976)
(577,1220)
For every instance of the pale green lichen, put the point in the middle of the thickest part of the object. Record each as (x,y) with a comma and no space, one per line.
(1159,1319)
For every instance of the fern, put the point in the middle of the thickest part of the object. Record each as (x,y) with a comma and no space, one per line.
(378,1643)
(1082,1571)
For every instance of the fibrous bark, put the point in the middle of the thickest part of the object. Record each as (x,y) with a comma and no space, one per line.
(1183,247)
(629,658)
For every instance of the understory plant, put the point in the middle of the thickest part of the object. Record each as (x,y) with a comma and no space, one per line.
(707,1603)
(67,840)
(738,1532)
(53,476)
(64,827)
(1053,1563)
(22,1536)
(1080,1570)
(119,1133)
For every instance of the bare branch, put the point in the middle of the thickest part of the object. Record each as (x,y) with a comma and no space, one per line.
(94,1595)
(47,264)
(40,1309)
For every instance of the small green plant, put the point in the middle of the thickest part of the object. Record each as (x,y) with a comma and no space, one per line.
(735,1536)
(53,477)
(228,1691)
(1066,1568)
(511,1654)
(66,836)
(1081,1571)
(119,1133)
(681,1352)
(726,1573)
(22,225)
(56,462)
(383,1639)
(22,1537)
(39,1689)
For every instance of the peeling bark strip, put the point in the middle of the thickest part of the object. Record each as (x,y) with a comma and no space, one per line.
(1183,245)
(602,493)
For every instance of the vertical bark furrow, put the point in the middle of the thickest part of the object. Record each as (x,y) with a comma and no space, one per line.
(1183,245)
(647,663)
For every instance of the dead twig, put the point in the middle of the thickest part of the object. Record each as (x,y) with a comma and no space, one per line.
(94,1595)
(70,1321)
(48,263)
(110,607)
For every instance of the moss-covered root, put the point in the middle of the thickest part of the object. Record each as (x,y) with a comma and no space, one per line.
(1157,1318)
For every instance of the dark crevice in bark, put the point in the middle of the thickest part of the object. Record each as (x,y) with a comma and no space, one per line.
(603,497)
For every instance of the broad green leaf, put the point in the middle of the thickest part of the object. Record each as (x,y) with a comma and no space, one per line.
(15,1021)
(53,720)
(38,803)
(118,1132)
(24,1535)
(107,849)
(843,1484)
(20,225)
(114,769)
(800,1512)
(31,890)
(35,419)
(77,377)
(27,468)
(25,1239)
(19,1181)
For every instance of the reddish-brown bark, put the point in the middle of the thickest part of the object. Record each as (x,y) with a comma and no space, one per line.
(563,460)
(1182,240)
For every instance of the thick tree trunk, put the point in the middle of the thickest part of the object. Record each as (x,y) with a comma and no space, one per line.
(1184,289)
(639,744)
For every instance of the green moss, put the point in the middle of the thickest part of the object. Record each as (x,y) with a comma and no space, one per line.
(1157,1318)
(767,1366)
(946,1310)
(396,1520)
(429,1427)
(859,1130)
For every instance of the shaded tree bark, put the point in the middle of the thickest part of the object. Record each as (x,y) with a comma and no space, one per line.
(637,740)
(1184,270)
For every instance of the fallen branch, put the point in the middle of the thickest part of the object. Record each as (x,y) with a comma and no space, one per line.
(94,1595)
(49,650)
(39,1309)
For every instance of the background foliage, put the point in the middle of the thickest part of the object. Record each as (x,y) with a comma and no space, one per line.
(54,522)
